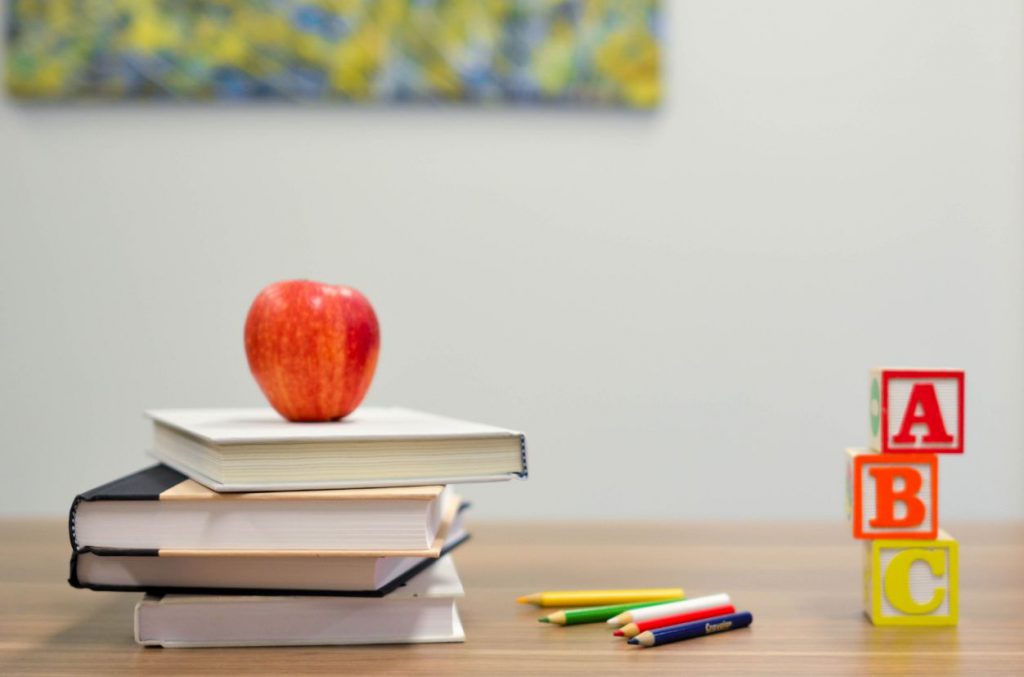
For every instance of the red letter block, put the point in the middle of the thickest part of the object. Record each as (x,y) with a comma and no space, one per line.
(917,411)
(894,497)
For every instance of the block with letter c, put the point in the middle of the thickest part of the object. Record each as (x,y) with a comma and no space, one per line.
(908,582)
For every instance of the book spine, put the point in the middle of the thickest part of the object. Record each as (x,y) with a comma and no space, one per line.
(72,514)
(73,573)
(75,582)
(144,485)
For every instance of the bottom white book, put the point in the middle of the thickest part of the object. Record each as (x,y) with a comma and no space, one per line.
(421,611)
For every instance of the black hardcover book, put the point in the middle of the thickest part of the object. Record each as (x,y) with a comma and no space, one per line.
(111,570)
(160,509)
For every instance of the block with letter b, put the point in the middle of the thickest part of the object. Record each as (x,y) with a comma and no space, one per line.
(917,411)
(912,582)
(893,495)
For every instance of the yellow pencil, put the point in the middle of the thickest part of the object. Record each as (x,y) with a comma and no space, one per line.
(599,597)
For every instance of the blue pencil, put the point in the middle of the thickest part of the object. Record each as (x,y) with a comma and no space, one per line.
(708,626)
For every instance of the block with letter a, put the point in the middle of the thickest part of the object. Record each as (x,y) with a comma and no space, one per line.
(917,411)
(893,495)
(909,582)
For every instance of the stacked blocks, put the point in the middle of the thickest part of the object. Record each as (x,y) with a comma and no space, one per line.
(892,492)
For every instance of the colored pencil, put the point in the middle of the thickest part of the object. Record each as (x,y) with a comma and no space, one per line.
(708,626)
(634,629)
(592,614)
(600,597)
(670,609)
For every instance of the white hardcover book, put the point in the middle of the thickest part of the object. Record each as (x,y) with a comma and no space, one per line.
(233,450)
(422,611)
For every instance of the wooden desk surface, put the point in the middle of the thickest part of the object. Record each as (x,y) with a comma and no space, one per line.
(800,581)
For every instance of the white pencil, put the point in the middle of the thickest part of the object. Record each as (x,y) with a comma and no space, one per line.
(670,609)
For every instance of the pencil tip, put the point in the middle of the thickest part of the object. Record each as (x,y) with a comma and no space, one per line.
(613,621)
(618,633)
(634,640)
(543,620)
(523,600)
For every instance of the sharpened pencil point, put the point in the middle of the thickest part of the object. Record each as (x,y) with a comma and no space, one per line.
(543,620)
(614,622)
(618,633)
(523,600)
(634,640)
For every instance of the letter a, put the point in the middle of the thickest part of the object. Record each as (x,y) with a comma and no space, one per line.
(923,397)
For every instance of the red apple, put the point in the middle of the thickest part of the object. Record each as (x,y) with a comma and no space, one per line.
(312,348)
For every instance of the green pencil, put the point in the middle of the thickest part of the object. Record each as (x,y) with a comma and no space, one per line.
(595,614)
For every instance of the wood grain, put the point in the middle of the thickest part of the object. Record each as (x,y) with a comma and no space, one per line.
(801,581)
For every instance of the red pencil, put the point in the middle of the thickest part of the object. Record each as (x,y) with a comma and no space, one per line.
(634,629)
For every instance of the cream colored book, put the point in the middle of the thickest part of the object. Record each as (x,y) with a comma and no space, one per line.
(256,450)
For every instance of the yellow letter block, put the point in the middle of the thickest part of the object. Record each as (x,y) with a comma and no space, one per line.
(911,582)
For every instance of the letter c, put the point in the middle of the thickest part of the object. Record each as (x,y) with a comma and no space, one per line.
(897,580)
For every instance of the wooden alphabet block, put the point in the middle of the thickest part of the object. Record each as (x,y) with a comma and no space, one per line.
(917,411)
(910,582)
(893,495)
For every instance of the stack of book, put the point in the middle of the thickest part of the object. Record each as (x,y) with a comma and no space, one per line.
(253,531)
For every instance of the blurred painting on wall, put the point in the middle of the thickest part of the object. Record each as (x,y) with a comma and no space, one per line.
(591,52)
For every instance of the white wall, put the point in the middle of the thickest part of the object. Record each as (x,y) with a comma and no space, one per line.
(680,309)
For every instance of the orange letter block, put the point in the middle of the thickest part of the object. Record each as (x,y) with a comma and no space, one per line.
(894,496)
